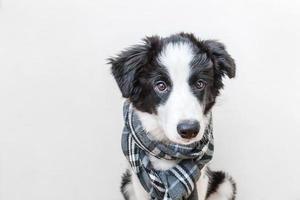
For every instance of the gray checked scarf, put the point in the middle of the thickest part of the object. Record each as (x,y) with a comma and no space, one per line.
(177,183)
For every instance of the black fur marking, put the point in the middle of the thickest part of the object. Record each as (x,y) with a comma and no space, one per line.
(126,179)
(216,179)
(234,188)
(136,70)
(223,64)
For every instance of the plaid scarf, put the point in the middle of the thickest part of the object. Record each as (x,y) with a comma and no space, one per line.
(177,183)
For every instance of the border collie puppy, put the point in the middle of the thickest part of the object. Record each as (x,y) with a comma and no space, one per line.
(173,83)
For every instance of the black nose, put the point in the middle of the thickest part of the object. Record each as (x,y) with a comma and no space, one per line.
(188,128)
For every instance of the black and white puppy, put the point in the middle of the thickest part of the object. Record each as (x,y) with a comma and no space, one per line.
(173,82)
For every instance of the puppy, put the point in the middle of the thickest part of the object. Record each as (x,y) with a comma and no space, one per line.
(173,83)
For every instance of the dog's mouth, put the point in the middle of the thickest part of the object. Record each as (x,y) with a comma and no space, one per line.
(180,140)
(185,141)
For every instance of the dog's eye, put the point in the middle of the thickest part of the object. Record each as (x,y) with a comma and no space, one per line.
(161,86)
(200,84)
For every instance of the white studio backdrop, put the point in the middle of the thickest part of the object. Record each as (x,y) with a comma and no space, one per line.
(60,109)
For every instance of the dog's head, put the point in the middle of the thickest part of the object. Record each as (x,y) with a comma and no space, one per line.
(173,83)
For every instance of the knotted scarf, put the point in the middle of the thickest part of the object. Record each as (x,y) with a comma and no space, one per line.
(177,183)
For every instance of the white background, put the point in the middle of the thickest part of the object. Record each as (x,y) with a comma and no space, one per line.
(60,109)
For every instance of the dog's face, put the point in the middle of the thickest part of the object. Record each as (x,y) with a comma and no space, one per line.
(173,83)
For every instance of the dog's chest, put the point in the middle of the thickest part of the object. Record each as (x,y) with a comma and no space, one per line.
(202,183)
(161,164)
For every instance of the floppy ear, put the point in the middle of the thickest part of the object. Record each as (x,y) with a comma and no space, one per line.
(126,65)
(224,63)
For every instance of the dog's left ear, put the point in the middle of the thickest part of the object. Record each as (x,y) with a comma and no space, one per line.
(224,63)
(128,63)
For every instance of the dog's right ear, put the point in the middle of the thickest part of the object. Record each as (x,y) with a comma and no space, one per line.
(224,63)
(126,65)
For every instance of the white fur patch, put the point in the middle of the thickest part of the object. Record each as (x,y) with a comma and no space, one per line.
(151,124)
(181,104)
